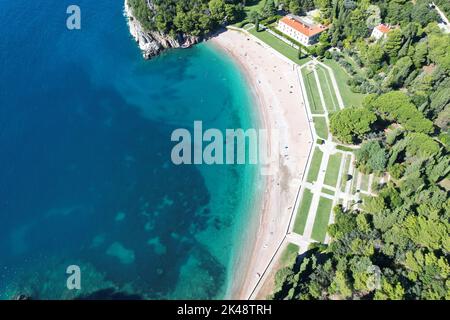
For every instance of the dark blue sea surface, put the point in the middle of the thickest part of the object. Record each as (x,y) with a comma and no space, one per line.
(85,172)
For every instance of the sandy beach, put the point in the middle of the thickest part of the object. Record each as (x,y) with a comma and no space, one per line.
(276,88)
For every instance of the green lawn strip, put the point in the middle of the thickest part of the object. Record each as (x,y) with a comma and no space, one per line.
(289,255)
(302,213)
(254,5)
(334,165)
(320,124)
(323,213)
(365,183)
(312,91)
(344,148)
(355,181)
(314,168)
(327,90)
(280,46)
(328,191)
(348,160)
(349,97)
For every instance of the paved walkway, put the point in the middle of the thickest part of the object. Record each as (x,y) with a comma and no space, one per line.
(299,240)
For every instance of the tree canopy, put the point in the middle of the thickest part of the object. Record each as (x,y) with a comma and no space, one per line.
(191,17)
(351,124)
(396,106)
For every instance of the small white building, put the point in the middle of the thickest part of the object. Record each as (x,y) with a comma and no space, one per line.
(380,31)
(301,29)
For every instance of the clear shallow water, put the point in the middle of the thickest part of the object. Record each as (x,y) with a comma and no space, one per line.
(85,171)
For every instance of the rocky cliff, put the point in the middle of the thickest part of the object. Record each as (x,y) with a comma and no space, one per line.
(153,43)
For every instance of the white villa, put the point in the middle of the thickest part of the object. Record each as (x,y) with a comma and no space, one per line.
(380,31)
(301,29)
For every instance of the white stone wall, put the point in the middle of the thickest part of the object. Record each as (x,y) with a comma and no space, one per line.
(377,34)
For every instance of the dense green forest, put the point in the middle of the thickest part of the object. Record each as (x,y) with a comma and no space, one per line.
(395,245)
(192,17)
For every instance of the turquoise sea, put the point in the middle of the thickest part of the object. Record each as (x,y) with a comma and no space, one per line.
(85,172)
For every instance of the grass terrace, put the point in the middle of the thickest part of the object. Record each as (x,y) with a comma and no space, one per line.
(312,91)
(289,255)
(320,228)
(329,95)
(348,160)
(355,181)
(254,5)
(303,211)
(350,98)
(328,191)
(334,165)
(365,182)
(320,124)
(315,165)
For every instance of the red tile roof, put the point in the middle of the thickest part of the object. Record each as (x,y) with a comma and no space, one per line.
(383,28)
(300,27)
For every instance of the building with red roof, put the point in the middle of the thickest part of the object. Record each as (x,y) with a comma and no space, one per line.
(301,29)
(380,31)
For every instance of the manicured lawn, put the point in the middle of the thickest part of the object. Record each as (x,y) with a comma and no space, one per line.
(348,160)
(289,254)
(315,165)
(254,5)
(365,182)
(328,92)
(302,213)
(282,47)
(355,181)
(320,227)
(320,124)
(327,191)
(350,98)
(312,91)
(345,148)
(334,165)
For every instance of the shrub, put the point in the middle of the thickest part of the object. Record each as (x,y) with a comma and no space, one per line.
(320,141)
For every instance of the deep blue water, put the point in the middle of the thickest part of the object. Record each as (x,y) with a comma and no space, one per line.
(85,170)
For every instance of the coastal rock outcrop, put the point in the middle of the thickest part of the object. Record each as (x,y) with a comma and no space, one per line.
(152,43)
